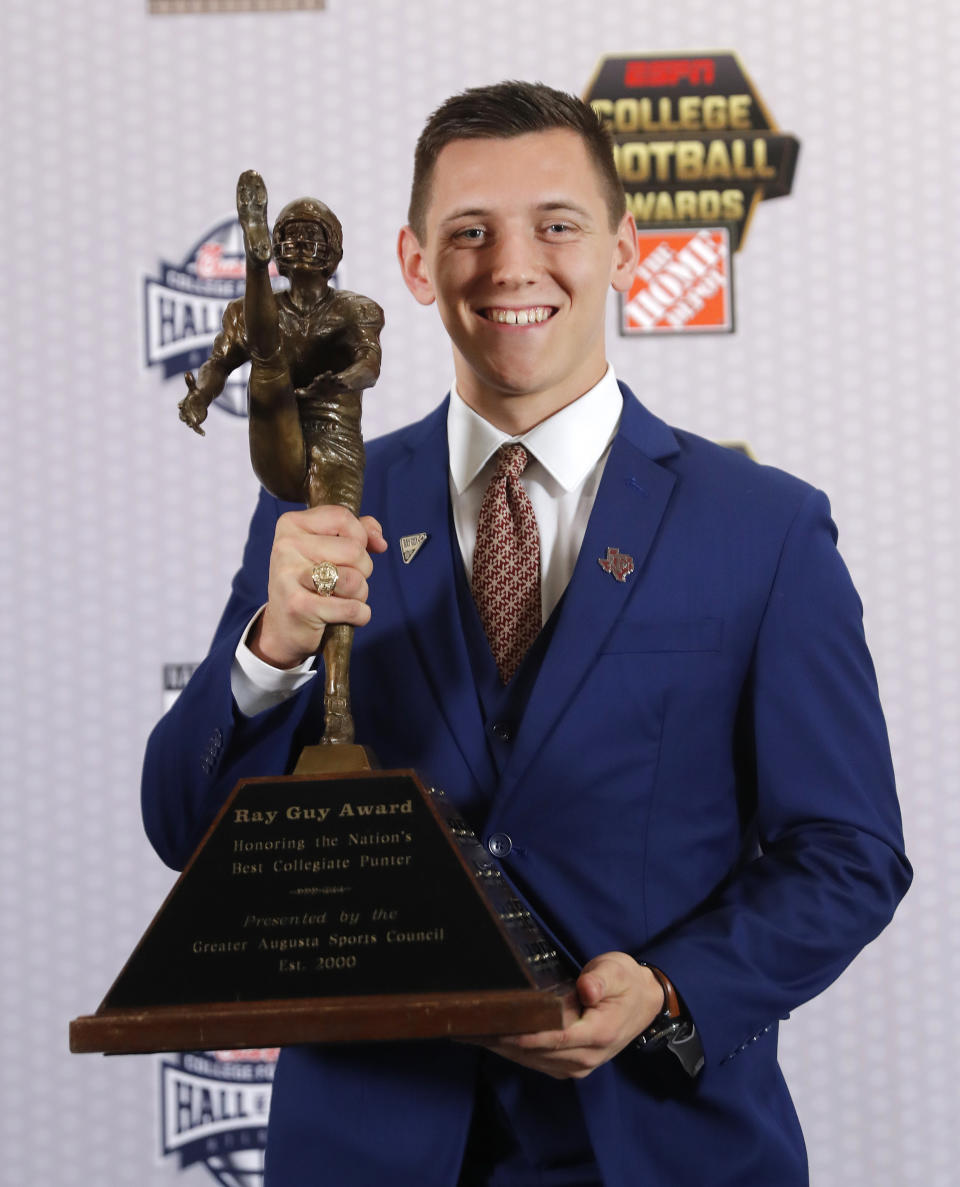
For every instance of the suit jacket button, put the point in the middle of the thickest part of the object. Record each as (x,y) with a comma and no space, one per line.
(501,731)
(499,844)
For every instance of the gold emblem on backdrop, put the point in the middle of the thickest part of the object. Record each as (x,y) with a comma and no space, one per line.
(171,7)
(694,142)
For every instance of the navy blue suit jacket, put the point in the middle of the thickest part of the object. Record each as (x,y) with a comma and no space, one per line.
(701,778)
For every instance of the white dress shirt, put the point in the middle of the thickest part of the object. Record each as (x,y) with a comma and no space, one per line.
(567,455)
(567,451)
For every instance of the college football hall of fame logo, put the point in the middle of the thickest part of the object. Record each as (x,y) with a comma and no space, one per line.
(213,1110)
(214,1104)
(183,308)
(697,150)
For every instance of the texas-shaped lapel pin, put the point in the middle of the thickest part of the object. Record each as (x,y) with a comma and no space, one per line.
(616,563)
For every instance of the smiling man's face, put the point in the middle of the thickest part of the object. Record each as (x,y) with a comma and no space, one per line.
(519,255)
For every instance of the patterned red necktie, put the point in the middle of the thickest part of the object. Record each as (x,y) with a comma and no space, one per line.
(506,564)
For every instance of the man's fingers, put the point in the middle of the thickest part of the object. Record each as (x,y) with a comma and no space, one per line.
(619,997)
(295,549)
(603,977)
(328,533)
(348,611)
(351,583)
(562,1064)
(591,988)
(296,615)
(544,1040)
(316,612)
(375,537)
(328,519)
(342,551)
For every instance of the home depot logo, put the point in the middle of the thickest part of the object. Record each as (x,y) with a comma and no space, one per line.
(683,283)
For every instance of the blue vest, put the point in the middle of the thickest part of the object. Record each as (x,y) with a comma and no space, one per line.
(527,1128)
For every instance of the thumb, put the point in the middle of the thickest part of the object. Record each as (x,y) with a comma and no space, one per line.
(595,981)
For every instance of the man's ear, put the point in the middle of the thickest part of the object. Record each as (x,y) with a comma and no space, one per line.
(626,254)
(413,265)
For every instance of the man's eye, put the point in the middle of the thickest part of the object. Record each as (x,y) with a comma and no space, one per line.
(559,228)
(472,234)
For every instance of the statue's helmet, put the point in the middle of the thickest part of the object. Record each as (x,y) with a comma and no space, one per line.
(302,222)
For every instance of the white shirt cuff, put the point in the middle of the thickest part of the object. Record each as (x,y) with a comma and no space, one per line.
(257,685)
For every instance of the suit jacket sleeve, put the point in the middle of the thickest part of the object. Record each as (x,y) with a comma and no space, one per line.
(824,866)
(203,744)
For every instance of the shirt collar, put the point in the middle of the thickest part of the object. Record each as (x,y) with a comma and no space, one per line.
(568,444)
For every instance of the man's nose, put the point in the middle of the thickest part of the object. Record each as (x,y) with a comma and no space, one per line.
(515,260)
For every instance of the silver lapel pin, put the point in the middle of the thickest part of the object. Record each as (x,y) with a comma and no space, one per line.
(411,545)
(616,563)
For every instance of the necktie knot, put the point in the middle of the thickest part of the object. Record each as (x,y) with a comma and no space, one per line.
(511,461)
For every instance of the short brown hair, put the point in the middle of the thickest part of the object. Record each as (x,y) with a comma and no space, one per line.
(499,112)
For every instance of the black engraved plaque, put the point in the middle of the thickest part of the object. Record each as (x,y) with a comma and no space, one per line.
(316,895)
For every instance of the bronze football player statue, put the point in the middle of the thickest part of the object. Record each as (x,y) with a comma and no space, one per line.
(312,351)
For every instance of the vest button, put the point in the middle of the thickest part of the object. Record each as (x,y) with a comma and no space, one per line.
(501,731)
(499,844)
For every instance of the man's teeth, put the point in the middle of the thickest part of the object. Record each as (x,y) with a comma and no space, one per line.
(520,317)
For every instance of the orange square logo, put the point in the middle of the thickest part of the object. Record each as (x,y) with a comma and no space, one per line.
(683,283)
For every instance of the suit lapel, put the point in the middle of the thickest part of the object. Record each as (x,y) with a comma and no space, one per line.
(418,498)
(626,515)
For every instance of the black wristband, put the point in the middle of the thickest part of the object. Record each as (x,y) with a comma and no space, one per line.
(672,1028)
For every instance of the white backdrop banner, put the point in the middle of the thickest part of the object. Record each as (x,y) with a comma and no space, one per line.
(124,132)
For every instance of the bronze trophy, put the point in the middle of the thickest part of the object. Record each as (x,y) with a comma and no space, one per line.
(341,902)
(312,351)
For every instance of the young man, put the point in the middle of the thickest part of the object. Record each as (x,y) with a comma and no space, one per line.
(676,751)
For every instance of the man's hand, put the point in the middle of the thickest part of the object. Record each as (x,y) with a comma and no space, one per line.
(619,999)
(295,617)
